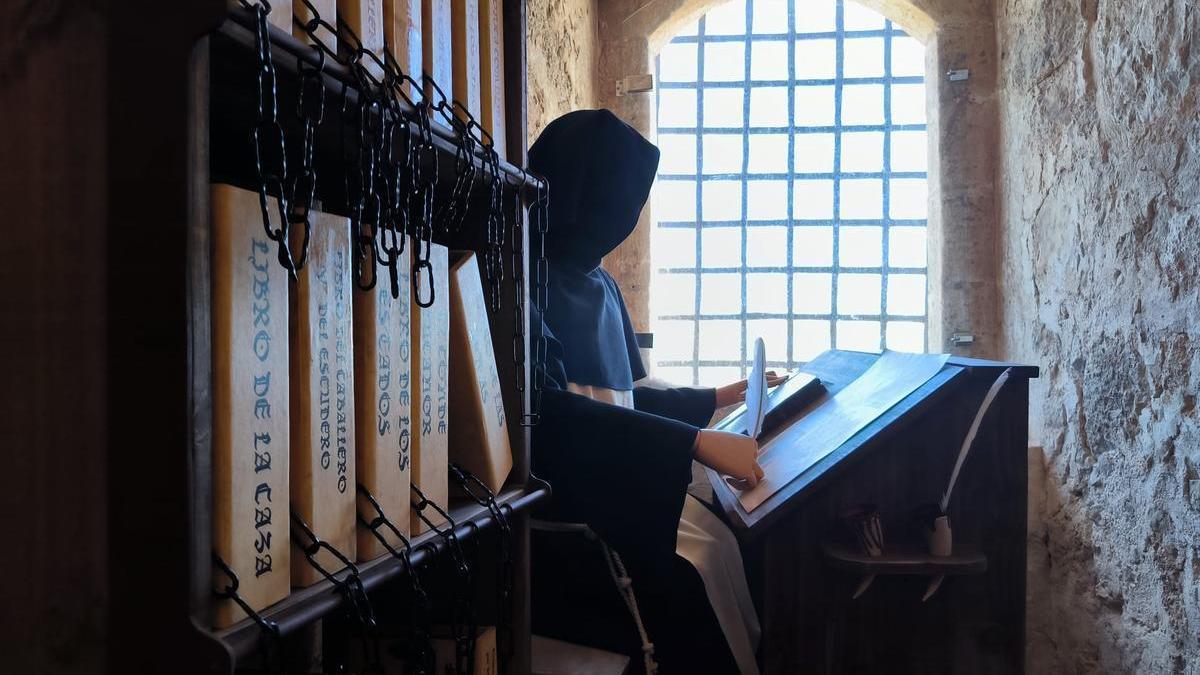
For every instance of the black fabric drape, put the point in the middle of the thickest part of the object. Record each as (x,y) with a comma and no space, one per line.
(686,404)
(600,172)
(622,472)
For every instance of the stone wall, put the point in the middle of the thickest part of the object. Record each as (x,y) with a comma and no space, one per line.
(1098,189)
(561,55)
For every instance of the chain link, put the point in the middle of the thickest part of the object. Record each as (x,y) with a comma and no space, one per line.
(394,226)
(389,195)
(270,640)
(518,273)
(461,615)
(540,213)
(424,169)
(493,257)
(420,657)
(483,496)
(270,145)
(365,271)
(359,608)
(310,110)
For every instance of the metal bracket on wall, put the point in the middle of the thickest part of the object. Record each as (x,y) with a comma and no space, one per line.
(962,339)
(635,84)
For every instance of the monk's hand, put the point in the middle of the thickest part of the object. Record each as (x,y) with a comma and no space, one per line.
(736,392)
(734,456)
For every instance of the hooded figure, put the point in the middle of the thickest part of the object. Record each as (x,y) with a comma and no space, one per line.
(619,457)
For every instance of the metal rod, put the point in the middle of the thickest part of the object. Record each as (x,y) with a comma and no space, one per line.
(237,28)
(306,605)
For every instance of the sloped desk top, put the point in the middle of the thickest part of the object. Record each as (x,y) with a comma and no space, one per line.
(836,369)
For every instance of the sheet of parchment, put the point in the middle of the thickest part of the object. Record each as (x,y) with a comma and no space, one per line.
(756,390)
(892,377)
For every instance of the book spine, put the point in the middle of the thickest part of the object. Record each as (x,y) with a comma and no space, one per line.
(365,18)
(491,70)
(437,37)
(430,378)
(322,393)
(328,10)
(383,423)
(465,28)
(479,438)
(402,33)
(250,404)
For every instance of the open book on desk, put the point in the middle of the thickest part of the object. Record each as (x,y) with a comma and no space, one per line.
(804,440)
(782,404)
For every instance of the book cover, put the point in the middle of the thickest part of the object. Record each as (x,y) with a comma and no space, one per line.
(249,403)
(431,387)
(792,396)
(479,439)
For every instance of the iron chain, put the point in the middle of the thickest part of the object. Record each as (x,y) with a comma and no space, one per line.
(359,608)
(270,145)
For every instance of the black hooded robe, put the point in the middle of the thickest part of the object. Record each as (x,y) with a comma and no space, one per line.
(623,472)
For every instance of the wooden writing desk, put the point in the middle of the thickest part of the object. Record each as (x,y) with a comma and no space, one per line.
(976,622)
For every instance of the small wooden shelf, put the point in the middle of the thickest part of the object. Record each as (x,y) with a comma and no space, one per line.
(904,562)
(305,605)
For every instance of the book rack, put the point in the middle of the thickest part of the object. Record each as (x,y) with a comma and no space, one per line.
(179,83)
(306,605)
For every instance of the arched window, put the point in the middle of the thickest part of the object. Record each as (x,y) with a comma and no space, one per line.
(791,197)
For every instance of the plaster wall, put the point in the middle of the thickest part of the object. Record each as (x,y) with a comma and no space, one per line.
(962,124)
(1097,197)
(561,55)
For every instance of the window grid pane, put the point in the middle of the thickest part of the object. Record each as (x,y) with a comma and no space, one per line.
(765,223)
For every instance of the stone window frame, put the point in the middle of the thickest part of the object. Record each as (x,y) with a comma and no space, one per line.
(834,317)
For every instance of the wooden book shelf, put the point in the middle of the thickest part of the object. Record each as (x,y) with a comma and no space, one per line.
(177,99)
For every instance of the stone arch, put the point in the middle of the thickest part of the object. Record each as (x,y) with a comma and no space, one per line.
(915,21)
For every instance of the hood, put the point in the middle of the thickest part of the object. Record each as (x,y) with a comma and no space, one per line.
(600,171)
